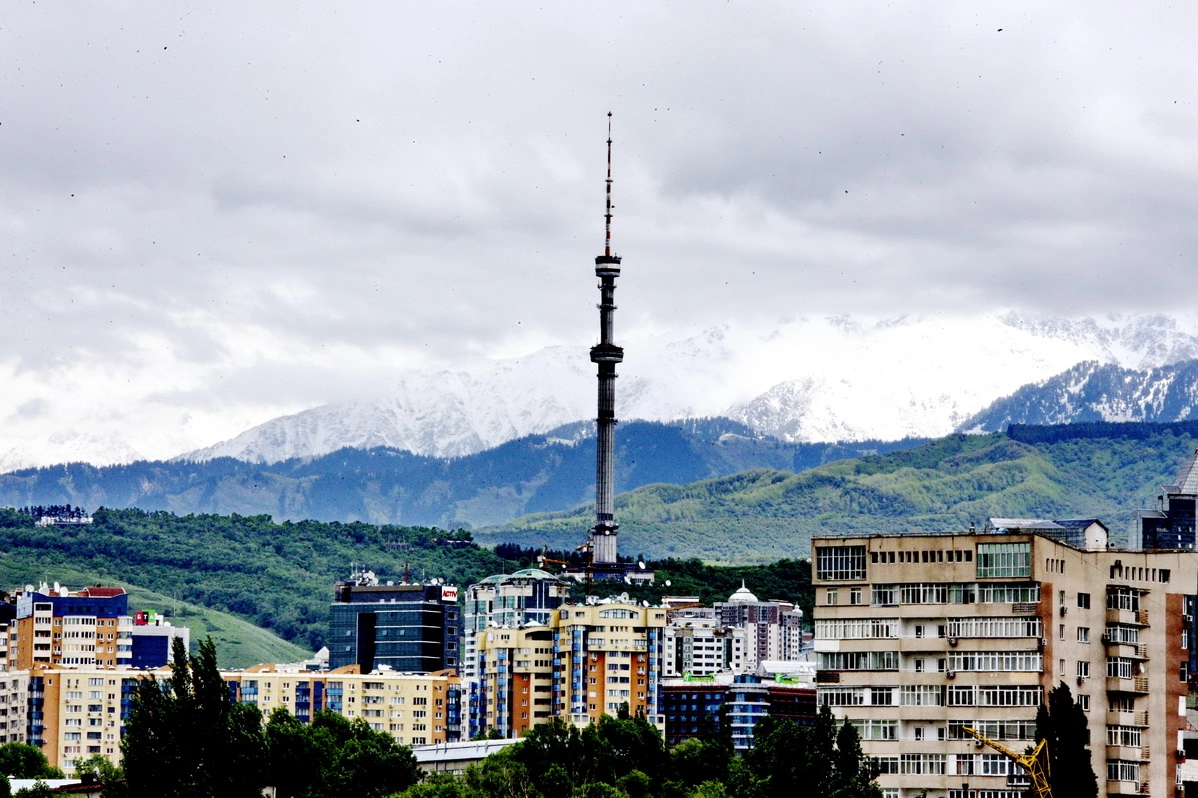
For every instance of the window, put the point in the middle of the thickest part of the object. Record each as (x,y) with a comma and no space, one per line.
(1123,598)
(842,696)
(1083,669)
(1119,667)
(858,660)
(1122,770)
(923,764)
(922,695)
(1015,593)
(877,729)
(840,562)
(856,628)
(1128,736)
(996,626)
(1083,634)
(997,560)
(1009,696)
(1122,633)
(1083,701)
(884,595)
(855,595)
(1083,601)
(1000,661)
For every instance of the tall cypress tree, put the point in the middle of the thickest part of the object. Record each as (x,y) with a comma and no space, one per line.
(1062,722)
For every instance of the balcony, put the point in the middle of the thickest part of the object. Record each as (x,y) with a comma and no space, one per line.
(1136,684)
(1132,617)
(1127,719)
(1124,788)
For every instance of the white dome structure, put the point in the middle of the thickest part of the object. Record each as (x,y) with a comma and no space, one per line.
(742,596)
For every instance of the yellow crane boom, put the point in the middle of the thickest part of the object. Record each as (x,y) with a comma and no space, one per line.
(1036,767)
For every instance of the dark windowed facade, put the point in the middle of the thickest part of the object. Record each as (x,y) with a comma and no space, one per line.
(410,628)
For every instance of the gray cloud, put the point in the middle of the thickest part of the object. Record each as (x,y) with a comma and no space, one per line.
(195,197)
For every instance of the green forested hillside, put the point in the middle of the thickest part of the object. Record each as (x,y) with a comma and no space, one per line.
(762,515)
(278,576)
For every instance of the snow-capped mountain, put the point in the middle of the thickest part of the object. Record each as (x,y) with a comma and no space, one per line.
(807,379)
(1094,391)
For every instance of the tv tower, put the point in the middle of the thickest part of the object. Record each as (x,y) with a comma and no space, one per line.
(606,355)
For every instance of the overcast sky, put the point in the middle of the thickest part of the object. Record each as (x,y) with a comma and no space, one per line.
(209,217)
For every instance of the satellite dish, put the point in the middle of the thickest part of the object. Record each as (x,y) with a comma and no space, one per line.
(645,603)
(668,583)
(627,579)
(640,564)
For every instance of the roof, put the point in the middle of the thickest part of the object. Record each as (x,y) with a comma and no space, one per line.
(532,573)
(102,592)
(742,595)
(1044,523)
(1187,479)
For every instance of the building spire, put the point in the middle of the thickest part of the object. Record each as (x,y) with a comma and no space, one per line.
(607,215)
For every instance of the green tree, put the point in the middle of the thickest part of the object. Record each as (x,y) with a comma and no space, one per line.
(99,770)
(335,757)
(815,761)
(186,738)
(26,762)
(1062,722)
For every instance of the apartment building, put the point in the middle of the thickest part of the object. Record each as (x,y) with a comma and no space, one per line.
(773,629)
(607,655)
(53,625)
(14,699)
(415,709)
(75,713)
(919,636)
(587,661)
(699,705)
(515,678)
(695,642)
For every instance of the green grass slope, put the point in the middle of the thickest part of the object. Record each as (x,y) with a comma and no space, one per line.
(762,515)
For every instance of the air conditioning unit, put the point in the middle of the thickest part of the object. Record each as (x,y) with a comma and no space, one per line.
(952,641)
(1064,610)
(1043,642)
(950,674)
(1081,680)
(1188,618)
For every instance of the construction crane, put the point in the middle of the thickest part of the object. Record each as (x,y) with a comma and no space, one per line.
(1036,767)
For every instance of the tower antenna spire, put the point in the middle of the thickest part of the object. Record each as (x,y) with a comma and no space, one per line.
(607,215)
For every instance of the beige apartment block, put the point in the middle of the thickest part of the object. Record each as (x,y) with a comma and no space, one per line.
(607,655)
(415,709)
(921,635)
(78,712)
(516,678)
